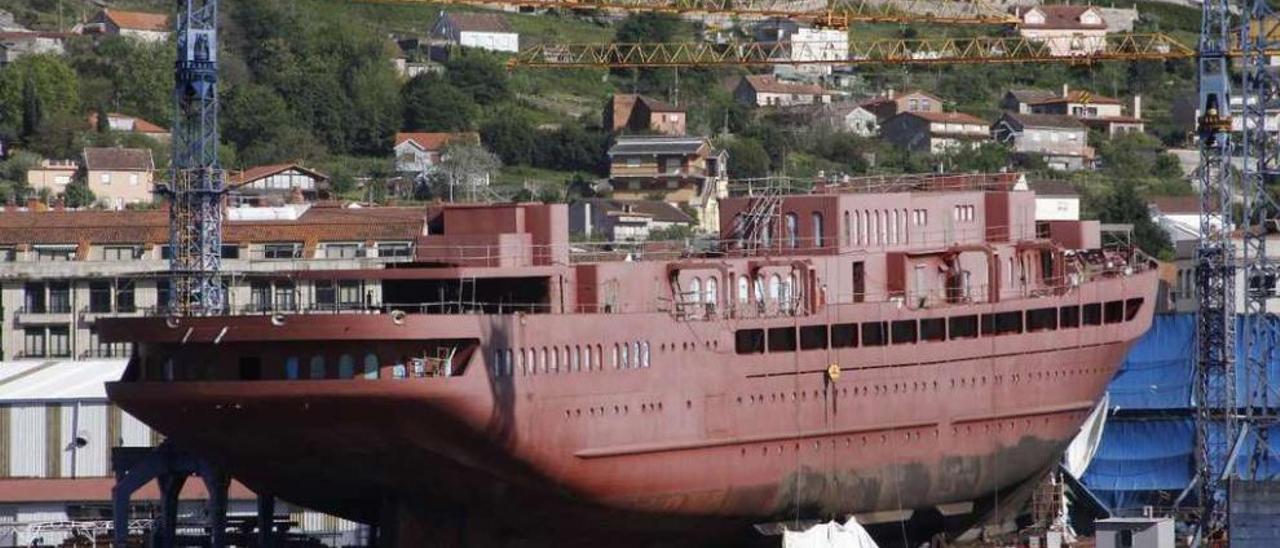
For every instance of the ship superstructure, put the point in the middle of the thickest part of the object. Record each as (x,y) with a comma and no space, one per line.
(870,349)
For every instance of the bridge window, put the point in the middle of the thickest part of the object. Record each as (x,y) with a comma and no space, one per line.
(1131,308)
(1042,319)
(748,341)
(933,329)
(577,359)
(371,366)
(626,357)
(617,356)
(848,229)
(1069,316)
(874,333)
(1113,311)
(291,368)
(1093,314)
(317,367)
(544,360)
(782,339)
(1008,323)
(904,332)
(963,327)
(775,288)
(713,291)
(644,354)
(844,335)
(744,290)
(813,337)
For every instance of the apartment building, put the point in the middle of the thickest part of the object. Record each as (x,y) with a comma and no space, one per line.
(61,271)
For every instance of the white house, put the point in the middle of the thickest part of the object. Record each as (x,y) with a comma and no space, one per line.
(279,182)
(1056,201)
(760,90)
(14,45)
(624,220)
(488,31)
(1067,30)
(418,152)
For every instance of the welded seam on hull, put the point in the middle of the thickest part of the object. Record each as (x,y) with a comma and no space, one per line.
(1082,405)
(689,446)
(934,362)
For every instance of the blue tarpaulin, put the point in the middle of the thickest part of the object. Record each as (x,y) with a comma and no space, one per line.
(1158,371)
(1147,452)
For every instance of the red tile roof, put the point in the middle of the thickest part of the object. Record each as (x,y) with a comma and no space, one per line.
(1176,205)
(118,159)
(151,226)
(137,20)
(434,141)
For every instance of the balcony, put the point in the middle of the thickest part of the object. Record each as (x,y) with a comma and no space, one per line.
(37,315)
(88,316)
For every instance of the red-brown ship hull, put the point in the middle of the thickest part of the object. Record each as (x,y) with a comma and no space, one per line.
(703,436)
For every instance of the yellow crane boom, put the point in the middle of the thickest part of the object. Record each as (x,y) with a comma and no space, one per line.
(830,13)
(1126,46)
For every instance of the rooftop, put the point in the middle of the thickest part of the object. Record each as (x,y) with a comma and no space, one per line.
(1045,120)
(1079,96)
(258,172)
(138,20)
(1032,95)
(946,117)
(118,159)
(766,83)
(39,380)
(1176,205)
(1064,17)
(139,125)
(656,209)
(657,145)
(434,141)
(478,22)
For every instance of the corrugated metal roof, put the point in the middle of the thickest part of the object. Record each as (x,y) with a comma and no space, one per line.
(35,380)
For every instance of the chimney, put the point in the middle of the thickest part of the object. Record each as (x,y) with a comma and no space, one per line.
(1065,90)
(1137,106)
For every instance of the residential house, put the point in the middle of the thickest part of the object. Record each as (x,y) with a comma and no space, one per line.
(132,124)
(625,220)
(1060,139)
(15,45)
(419,153)
(640,114)
(808,46)
(119,176)
(1020,100)
(148,27)
(278,184)
(488,31)
(54,175)
(760,90)
(844,116)
(1056,201)
(682,170)
(1099,112)
(889,104)
(1068,30)
(935,132)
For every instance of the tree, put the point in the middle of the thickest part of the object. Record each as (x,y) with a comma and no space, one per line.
(747,159)
(651,27)
(986,158)
(78,194)
(431,104)
(512,137)
(104,121)
(466,167)
(1125,205)
(35,88)
(375,94)
(480,76)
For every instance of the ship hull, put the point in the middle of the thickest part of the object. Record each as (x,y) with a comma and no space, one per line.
(700,443)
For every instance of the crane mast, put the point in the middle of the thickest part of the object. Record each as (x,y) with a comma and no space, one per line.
(196,187)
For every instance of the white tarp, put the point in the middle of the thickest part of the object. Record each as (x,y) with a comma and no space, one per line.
(1080,453)
(830,535)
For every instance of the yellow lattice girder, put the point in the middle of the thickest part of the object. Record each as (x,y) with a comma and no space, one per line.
(1123,46)
(830,13)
